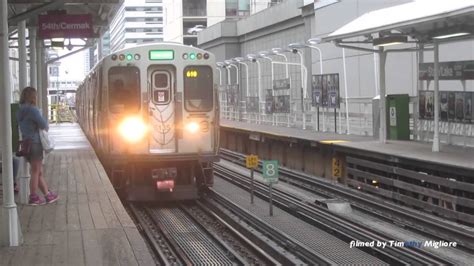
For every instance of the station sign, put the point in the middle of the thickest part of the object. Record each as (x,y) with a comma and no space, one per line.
(270,171)
(454,70)
(65,26)
(251,161)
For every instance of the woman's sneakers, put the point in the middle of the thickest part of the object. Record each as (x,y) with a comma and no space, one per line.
(51,197)
(36,200)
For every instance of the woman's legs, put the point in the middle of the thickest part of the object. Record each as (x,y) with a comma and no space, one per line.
(42,183)
(35,172)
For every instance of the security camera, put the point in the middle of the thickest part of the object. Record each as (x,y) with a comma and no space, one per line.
(295,51)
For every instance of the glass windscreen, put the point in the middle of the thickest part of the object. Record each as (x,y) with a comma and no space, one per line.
(198,88)
(124,89)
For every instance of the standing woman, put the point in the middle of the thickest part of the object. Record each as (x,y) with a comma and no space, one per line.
(30,121)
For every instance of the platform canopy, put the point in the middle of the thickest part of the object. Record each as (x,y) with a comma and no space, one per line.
(102,11)
(420,20)
(423,22)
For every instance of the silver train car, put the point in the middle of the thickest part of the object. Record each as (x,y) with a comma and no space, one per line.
(151,114)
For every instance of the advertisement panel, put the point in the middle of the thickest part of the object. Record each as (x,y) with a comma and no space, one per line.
(252,104)
(65,26)
(459,106)
(269,102)
(468,108)
(422,104)
(332,83)
(282,104)
(316,90)
(443,107)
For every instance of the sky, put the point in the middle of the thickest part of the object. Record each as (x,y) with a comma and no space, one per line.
(73,65)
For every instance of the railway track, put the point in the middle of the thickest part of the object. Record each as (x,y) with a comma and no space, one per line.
(198,233)
(409,219)
(339,226)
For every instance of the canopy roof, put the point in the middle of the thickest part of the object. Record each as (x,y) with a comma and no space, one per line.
(417,19)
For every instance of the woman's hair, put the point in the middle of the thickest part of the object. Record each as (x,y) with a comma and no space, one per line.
(28,95)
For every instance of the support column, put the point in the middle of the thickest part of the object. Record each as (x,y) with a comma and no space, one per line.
(99,48)
(22,55)
(33,66)
(10,234)
(435,147)
(44,85)
(383,118)
(39,71)
(23,173)
(419,86)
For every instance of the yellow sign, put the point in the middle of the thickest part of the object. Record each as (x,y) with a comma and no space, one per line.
(191,74)
(251,161)
(336,167)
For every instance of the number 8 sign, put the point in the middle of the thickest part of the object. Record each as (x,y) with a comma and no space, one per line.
(270,171)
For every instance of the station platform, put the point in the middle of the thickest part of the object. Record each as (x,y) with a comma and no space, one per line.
(88,225)
(455,156)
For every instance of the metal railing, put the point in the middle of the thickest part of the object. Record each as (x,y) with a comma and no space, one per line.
(360,114)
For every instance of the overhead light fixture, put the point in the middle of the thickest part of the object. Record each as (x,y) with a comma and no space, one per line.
(451,32)
(390,40)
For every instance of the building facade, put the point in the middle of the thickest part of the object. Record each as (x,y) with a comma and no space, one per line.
(136,22)
(296,21)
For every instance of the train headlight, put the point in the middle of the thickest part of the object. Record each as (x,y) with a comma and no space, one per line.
(192,127)
(132,129)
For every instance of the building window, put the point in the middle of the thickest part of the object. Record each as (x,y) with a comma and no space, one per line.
(194,8)
(237,7)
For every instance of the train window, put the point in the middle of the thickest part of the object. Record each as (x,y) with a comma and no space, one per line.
(198,88)
(161,87)
(124,89)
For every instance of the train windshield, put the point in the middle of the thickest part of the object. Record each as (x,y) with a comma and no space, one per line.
(124,89)
(198,88)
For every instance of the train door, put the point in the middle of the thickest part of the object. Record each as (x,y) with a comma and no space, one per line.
(162,109)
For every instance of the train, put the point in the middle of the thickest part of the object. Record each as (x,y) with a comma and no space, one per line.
(151,114)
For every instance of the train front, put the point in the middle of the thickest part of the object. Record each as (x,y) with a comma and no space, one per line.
(163,122)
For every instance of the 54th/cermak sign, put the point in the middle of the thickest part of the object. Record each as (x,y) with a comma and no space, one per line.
(65,26)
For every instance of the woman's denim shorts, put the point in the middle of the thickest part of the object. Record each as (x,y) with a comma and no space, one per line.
(36,152)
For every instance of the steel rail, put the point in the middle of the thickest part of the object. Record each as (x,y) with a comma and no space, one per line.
(161,249)
(344,228)
(386,211)
(294,246)
(238,234)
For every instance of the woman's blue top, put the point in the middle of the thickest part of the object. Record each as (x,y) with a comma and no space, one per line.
(30,120)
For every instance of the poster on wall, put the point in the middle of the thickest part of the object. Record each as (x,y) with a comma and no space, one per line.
(443,107)
(451,104)
(269,102)
(316,90)
(429,105)
(332,83)
(252,104)
(282,104)
(422,104)
(468,108)
(459,106)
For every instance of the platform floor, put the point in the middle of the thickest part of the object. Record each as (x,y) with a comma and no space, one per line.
(88,225)
(456,156)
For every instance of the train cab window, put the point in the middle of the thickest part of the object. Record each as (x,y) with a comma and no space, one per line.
(124,89)
(161,87)
(198,88)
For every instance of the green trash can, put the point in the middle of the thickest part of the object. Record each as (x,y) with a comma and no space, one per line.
(398,117)
(14,107)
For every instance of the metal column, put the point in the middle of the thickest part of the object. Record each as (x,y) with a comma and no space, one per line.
(33,66)
(383,124)
(23,171)
(39,71)
(10,233)
(435,147)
